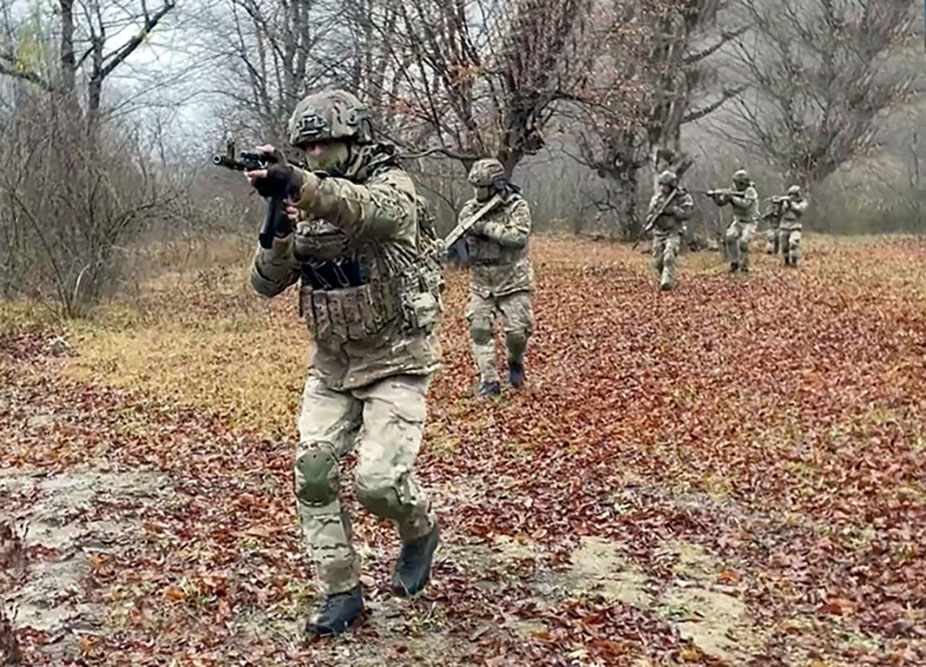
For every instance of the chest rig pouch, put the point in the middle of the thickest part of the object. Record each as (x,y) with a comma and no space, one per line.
(346,300)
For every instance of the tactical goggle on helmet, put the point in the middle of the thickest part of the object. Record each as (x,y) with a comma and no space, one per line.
(484,173)
(330,116)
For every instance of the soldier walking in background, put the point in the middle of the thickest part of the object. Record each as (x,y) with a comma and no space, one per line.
(792,213)
(501,278)
(668,211)
(370,296)
(773,217)
(744,200)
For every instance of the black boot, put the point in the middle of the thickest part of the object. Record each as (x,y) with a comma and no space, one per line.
(734,267)
(516,374)
(338,612)
(490,389)
(413,569)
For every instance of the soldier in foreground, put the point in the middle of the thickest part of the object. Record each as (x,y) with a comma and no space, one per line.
(744,200)
(792,213)
(501,278)
(668,211)
(369,293)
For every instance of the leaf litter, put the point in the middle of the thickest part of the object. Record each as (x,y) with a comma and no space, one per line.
(727,473)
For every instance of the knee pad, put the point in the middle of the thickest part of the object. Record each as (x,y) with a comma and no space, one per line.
(380,495)
(481,333)
(516,342)
(316,475)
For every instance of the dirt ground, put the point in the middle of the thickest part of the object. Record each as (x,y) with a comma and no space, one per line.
(731,473)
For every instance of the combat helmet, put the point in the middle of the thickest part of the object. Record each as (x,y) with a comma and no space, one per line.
(794,190)
(668,177)
(329,116)
(485,172)
(741,176)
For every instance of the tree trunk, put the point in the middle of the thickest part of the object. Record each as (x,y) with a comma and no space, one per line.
(623,187)
(68,60)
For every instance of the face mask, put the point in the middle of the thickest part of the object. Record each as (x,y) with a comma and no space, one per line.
(483,193)
(330,156)
(666,188)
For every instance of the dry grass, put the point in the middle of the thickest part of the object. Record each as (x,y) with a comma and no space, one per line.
(198,336)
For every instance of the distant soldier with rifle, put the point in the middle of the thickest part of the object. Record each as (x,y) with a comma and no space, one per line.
(351,234)
(496,224)
(773,217)
(744,200)
(668,211)
(792,206)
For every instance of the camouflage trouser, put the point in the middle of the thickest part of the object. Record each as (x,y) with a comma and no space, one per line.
(773,245)
(790,242)
(738,235)
(386,419)
(517,320)
(665,254)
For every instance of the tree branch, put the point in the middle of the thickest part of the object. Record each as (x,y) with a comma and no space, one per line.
(126,50)
(728,94)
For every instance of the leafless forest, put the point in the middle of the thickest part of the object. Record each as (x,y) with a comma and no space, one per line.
(728,473)
(109,111)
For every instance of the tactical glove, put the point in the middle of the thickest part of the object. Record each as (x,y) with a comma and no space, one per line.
(282,180)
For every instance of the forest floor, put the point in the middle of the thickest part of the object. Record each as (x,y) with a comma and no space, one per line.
(730,473)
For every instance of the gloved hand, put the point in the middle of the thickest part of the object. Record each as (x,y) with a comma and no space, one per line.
(478,229)
(279,179)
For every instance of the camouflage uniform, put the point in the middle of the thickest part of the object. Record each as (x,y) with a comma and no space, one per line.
(771,235)
(369,293)
(791,225)
(744,200)
(501,277)
(669,227)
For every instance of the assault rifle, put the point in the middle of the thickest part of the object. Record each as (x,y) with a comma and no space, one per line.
(503,189)
(715,193)
(249,161)
(653,216)
(465,225)
(775,211)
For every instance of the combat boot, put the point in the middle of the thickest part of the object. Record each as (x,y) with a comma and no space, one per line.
(413,568)
(734,267)
(490,389)
(516,374)
(338,612)
(665,287)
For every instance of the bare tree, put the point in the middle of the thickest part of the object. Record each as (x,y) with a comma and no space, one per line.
(269,53)
(481,77)
(652,76)
(821,73)
(82,183)
(89,46)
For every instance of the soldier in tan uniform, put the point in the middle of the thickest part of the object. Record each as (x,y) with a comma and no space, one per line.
(501,278)
(792,213)
(668,227)
(744,200)
(369,292)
